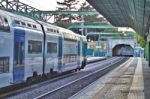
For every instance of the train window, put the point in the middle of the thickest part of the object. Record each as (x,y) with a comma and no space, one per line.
(34,47)
(47,29)
(6,25)
(57,31)
(6,21)
(51,47)
(52,30)
(4,64)
(23,23)
(1,24)
(29,25)
(17,22)
(34,26)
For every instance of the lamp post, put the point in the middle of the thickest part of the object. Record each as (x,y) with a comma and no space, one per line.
(82,24)
(99,45)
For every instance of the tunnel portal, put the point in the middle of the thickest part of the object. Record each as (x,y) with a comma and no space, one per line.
(123,50)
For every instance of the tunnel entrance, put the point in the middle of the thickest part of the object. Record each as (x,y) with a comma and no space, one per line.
(123,50)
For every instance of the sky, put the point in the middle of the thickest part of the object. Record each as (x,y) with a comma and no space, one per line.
(43,4)
(50,5)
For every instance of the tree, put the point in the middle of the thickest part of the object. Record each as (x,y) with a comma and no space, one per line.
(93,19)
(89,18)
(112,30)
(66,5)
(140,40)
(85,6)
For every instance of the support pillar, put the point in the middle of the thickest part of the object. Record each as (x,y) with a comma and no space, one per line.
(144,53)
(148,51)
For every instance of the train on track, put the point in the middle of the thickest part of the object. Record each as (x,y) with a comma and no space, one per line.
(31,47)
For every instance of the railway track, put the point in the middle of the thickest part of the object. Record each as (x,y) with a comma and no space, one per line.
(55,78)
(54,88)
(78,84)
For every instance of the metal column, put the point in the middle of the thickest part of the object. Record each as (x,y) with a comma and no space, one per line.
(148,48)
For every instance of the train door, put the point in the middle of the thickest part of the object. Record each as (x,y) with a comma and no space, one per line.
(78,60)
(19,57)
(60,53)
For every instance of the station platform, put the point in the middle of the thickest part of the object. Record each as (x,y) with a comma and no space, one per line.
(131,80)
(94,59)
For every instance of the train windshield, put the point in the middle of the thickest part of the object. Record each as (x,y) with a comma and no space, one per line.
(4,26)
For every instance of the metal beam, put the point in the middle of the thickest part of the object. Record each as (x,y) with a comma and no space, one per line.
(67,12)
(26,10)
(113,35)
(93,26)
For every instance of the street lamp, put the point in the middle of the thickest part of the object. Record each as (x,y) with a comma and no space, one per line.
(82,24)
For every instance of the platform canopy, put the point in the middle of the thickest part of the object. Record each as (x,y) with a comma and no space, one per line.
(125,13)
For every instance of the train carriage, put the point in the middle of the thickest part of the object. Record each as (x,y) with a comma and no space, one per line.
(51,47)
(6,50)
(83,47)
(70,50)
(30,47)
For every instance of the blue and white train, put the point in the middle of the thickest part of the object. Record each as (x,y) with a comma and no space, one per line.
(29,47)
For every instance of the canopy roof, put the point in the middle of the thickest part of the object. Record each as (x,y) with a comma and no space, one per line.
(125,13)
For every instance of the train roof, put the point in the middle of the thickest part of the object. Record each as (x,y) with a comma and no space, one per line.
(65,32)
(68,34)
(6,13)
(21,21)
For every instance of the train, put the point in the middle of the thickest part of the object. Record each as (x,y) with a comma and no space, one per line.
(31,47)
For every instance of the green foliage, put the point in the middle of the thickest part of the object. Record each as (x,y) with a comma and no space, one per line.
(66,5)
(85,6)
(140,40)
(62,24)
(71,5)
(112,30)
(89,18)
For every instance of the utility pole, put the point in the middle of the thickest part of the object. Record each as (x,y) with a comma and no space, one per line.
(7,4)
(82,25)
(99,45)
